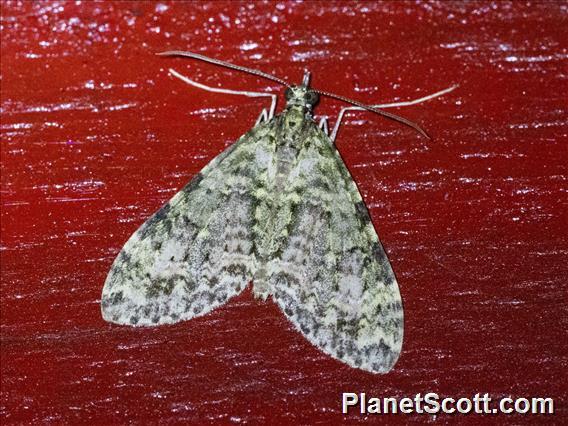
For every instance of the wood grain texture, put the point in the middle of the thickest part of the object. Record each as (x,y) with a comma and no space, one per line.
(96,136)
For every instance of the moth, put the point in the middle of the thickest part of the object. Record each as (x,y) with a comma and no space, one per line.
(278,208)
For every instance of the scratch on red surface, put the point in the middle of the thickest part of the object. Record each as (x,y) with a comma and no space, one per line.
(96,136)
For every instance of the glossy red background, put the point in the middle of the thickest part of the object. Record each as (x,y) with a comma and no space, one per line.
(96,136)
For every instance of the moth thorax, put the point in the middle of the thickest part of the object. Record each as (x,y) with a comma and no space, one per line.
(301,96)
(294,119)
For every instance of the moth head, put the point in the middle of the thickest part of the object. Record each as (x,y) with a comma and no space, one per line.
(301,96)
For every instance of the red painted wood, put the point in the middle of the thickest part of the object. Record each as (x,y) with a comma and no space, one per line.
(96,136)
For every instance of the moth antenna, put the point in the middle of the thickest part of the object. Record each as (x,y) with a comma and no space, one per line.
(306,79)
(223,64)
(377,111)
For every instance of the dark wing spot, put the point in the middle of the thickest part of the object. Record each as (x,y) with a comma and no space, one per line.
(236,270)
(150,223)
(213,281)
(350,348)
(362,212)
(193,183)
(124,257)
(379,253)
(117,297)
(384,348)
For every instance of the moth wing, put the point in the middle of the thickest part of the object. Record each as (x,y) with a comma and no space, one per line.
(196,252)
(333,279)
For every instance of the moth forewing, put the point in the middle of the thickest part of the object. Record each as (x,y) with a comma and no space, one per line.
(196,251)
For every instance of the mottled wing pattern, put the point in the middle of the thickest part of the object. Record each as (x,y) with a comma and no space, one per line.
(332,277)
(196,251)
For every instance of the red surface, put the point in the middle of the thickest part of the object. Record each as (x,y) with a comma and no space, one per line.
(96,136)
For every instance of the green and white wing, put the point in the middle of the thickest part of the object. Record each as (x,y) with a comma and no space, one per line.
(332,278)
(197,251)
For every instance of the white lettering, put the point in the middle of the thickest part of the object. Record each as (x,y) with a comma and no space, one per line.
(418,400)
(504,404)
(431,403)
(406,405)
(393,406)
(349,399)
(433,406)
(445,408)
(526,405)
(460,404)
(374,406)
(542,406)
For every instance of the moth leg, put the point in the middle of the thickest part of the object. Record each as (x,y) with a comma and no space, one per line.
(262,117)
(323,125)
(229,91)
(339,118)
(389,105)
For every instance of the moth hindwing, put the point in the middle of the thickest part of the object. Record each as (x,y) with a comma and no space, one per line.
(278,208)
